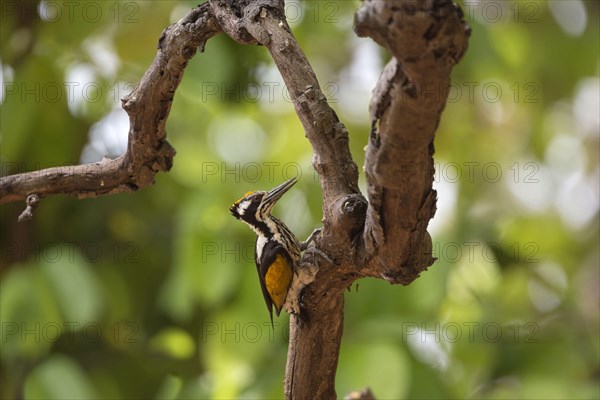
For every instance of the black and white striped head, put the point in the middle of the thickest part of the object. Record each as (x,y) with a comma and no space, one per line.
(254,208)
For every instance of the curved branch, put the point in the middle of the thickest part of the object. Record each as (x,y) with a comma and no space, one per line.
(148,106)
(427,38)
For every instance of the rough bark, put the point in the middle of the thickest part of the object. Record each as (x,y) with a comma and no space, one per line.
(426,38)
(384,237)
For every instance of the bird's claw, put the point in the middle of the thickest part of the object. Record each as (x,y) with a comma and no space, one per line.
(310,239)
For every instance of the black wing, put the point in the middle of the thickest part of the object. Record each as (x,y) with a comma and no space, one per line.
(269,254)
(263,286)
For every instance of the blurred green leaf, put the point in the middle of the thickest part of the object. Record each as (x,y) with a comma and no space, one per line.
(173,342)
(360,367)
(59,377)
(74,285)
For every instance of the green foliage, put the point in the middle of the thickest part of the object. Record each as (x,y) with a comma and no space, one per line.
(155,295)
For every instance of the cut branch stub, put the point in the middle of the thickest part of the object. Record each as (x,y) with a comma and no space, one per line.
(33,200)
(426,38)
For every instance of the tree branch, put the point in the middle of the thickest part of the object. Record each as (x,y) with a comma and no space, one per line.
(427,38)
(148,106)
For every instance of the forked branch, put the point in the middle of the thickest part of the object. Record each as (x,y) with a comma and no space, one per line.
(386,238)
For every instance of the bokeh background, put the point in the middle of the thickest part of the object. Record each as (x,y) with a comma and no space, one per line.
(155,295)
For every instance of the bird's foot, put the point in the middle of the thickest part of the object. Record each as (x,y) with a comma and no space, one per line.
(310,239)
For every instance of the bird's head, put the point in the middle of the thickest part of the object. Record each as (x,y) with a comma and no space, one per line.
(255,207)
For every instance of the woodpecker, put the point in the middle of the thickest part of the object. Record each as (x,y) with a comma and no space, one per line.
(277,250)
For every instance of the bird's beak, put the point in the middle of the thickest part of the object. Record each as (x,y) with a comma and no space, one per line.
(275,194)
